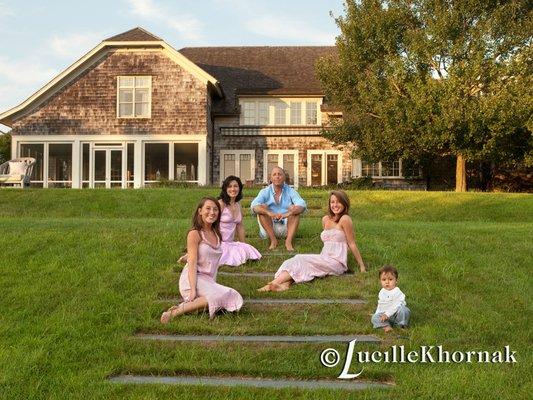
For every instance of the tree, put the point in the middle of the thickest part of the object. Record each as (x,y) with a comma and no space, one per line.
(5,147)
(419,79)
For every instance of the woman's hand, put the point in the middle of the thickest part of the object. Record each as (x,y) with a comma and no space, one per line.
(191,296)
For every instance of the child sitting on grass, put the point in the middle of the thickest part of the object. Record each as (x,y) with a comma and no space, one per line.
(392,309)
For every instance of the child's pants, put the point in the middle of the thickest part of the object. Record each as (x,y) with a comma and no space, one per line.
(400,317)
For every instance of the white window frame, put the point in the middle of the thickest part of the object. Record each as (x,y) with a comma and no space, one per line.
(324,165)
(271,105)
(237,154)
(149,87)
(103,140)
(357,170)
(266,153)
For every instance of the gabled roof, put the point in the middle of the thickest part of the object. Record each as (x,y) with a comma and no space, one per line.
(134,35)
(141,39)
(283,70)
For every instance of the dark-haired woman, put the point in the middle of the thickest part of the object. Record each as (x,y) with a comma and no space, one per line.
(197,281)
(234,253)
(338,235)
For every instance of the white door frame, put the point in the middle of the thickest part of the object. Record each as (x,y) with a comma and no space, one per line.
(279,152)
(237,162)
(324,165)
(107,150)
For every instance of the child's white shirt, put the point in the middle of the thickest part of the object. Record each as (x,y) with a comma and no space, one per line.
(389,301)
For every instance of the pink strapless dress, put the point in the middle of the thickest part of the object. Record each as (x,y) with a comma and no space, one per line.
(234,253)
(332,260)
(218,297)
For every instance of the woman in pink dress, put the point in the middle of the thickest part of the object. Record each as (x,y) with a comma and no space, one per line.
(234,253)
(338,236)
(197,283)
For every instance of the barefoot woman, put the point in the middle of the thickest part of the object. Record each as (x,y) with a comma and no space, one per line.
(197,281)
(338,235)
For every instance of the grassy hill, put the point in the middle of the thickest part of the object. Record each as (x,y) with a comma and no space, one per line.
(82,271)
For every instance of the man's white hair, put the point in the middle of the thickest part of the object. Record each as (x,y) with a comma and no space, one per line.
(281,169)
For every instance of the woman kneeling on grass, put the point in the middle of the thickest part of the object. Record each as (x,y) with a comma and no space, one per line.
(338,235)
(197,281)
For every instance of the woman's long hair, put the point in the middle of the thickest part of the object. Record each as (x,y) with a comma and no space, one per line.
(224,190)
(342,197)
(197,219)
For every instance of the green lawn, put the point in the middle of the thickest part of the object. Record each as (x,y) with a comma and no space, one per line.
(81,272)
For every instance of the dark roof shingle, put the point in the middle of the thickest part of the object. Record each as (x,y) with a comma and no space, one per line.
(279,71)
(134,35)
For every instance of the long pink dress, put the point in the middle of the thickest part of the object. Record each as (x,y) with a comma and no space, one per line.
(218,296)
(234,253)
(332,260)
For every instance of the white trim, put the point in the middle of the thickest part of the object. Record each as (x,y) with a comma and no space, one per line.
(324,165)
(237,154)
(280,163)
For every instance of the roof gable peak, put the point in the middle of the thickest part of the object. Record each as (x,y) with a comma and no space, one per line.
(136,34)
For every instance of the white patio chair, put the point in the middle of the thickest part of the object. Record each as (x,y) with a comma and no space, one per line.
(17,172)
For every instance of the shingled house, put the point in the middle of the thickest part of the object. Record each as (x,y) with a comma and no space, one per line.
(134,110)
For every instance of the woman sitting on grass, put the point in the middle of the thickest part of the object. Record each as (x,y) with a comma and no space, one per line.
(338,235)
(234,253)
(197,283)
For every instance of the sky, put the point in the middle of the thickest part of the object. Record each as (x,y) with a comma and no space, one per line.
(40,39)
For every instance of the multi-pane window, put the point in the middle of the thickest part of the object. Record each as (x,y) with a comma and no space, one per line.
(263,112)
(296,113)
(240,163)
(134,96)
(249,113)
(245,167)
(280,113)
(369,169)
(286,159)
(310,113)
(386,169)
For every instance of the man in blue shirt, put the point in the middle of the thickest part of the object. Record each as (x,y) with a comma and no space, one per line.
(278,208)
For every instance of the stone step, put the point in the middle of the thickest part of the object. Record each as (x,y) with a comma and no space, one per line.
(269,301)
(268,274)
(260,338)
(250,382)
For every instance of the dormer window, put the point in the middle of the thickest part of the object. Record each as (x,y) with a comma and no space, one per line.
(134,97)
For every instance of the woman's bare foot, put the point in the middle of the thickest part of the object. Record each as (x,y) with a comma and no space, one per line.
(279,287)
(288,246)
(387,329)
(362,269)
(265,288)
(169,314)
(273,245)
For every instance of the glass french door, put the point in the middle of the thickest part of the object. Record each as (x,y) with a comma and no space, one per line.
(107,168)
(324,167)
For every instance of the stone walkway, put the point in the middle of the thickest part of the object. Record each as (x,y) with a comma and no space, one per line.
(270,301)
(248,382)
(260,338)
(349,385)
